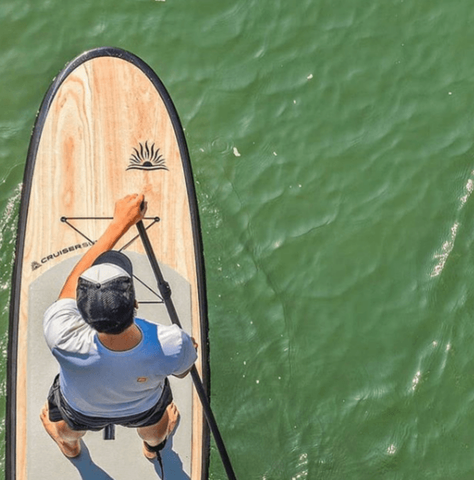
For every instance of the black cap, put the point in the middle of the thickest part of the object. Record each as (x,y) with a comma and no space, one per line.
(105,295)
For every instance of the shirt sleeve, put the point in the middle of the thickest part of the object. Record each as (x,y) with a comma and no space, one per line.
(65,329)
(178,347)
(188,354)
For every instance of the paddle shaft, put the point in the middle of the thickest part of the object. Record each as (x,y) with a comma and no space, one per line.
(165,291)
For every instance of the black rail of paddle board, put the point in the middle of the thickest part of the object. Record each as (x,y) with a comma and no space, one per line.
(10,460)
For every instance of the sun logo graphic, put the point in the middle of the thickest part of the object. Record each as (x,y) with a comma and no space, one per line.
(147,158)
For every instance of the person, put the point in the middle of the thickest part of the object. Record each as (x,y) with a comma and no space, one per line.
(113,366)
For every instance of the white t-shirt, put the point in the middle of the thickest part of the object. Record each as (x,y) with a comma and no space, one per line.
(100,382)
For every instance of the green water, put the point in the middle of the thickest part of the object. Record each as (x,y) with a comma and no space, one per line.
(332,147)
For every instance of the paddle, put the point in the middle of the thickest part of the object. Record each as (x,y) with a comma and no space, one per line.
(165,291)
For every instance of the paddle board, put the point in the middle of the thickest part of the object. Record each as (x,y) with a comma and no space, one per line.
(107,127)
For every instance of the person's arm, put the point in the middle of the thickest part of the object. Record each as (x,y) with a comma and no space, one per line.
(182,375)
(127,213)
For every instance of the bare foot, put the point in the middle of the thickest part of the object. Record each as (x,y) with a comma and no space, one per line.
(173,417)
(69,449)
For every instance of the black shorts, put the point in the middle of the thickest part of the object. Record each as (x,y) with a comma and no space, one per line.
(59,410)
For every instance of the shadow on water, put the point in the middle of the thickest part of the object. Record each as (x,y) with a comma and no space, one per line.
(88,470)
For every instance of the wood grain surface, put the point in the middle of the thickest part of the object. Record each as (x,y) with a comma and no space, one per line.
(105,117)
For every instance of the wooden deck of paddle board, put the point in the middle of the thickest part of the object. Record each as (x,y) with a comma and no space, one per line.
(105,115)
